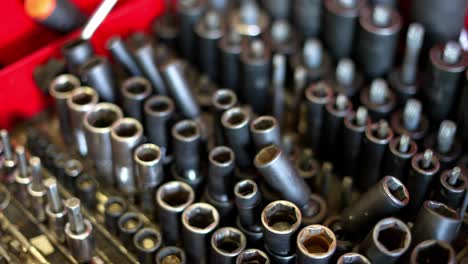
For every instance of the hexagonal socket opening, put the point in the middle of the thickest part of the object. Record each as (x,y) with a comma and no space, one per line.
(245,188)
(224,98)
(392,236)
(148,153)
(316,239)
(130,222)
(200,217)
(253,256)
(263,123)
(137,86)
(396,189)
(147,239)
(352,258)
(433,252)
(102,117)
(281,216)
(170,255)
(65,84)
(83,98)
(267,155)
(126,129)
(186,129)
(221,156)
(159,104)
(441,209)
(175,194)
(229,240)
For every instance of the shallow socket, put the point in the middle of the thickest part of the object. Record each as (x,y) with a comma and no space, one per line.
(83,98)
(126,128)
(170,255)
(147,154)
(252,256)
(200,218)
(130,222)
(136,87)
(228,241)
(353,258)
(433,251)
(175,196)
(147,239)
(267,155)
(316,241)
(281,217)
(392,236)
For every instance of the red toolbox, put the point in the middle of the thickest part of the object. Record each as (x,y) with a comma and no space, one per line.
(24,44)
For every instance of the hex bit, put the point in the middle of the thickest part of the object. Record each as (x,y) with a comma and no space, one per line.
(354,128)
(371,156)
(283,38)
(378,99)
(79,232)
(249,20)
(377,39)
(387,242)
(55,211)
(114,208)
(340,19)
(398,158)
(424,167)
(452,187)
(221,166)
(386,197)
(23,176)
(445,144)
(280,220)
(199,221)
(172,199)
(410,121)
(147,242)
(61,89)
(134,91)
(97,72)
(346,79)
(443,79)
(226,244)
(436,221)
(81,101)
(97,125)
(433,251)
(158,112)
(168,255)
(255,65)
(406,79)
(36,189)
(252,255)
(126,135)
(314,59)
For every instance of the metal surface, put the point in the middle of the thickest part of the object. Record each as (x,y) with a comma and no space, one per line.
(226,244)
(134,92)
(316,244)
(433,251)
(97,72)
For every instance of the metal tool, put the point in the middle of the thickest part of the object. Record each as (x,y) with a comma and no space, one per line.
(352,258)
(315,244)
(79,232)
(252,255)
(398,159)
(135,91)
(23,176)
(346,80)
(387,242)
(410,121)
(248,199)
(121,53)
(147,242)
(265,131)
(172,199)
(378,99)
(249,20)
(226,244)
(114,208)
(235,122)
(97,72)
(433,251)
(221,100)
(452,187)
(377,39)
(158,111)
(307,17)
(230,47)
(445,144)
(36,189)
(80,102)
(55,211)
(199,221)
(167,255)
(128,225)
